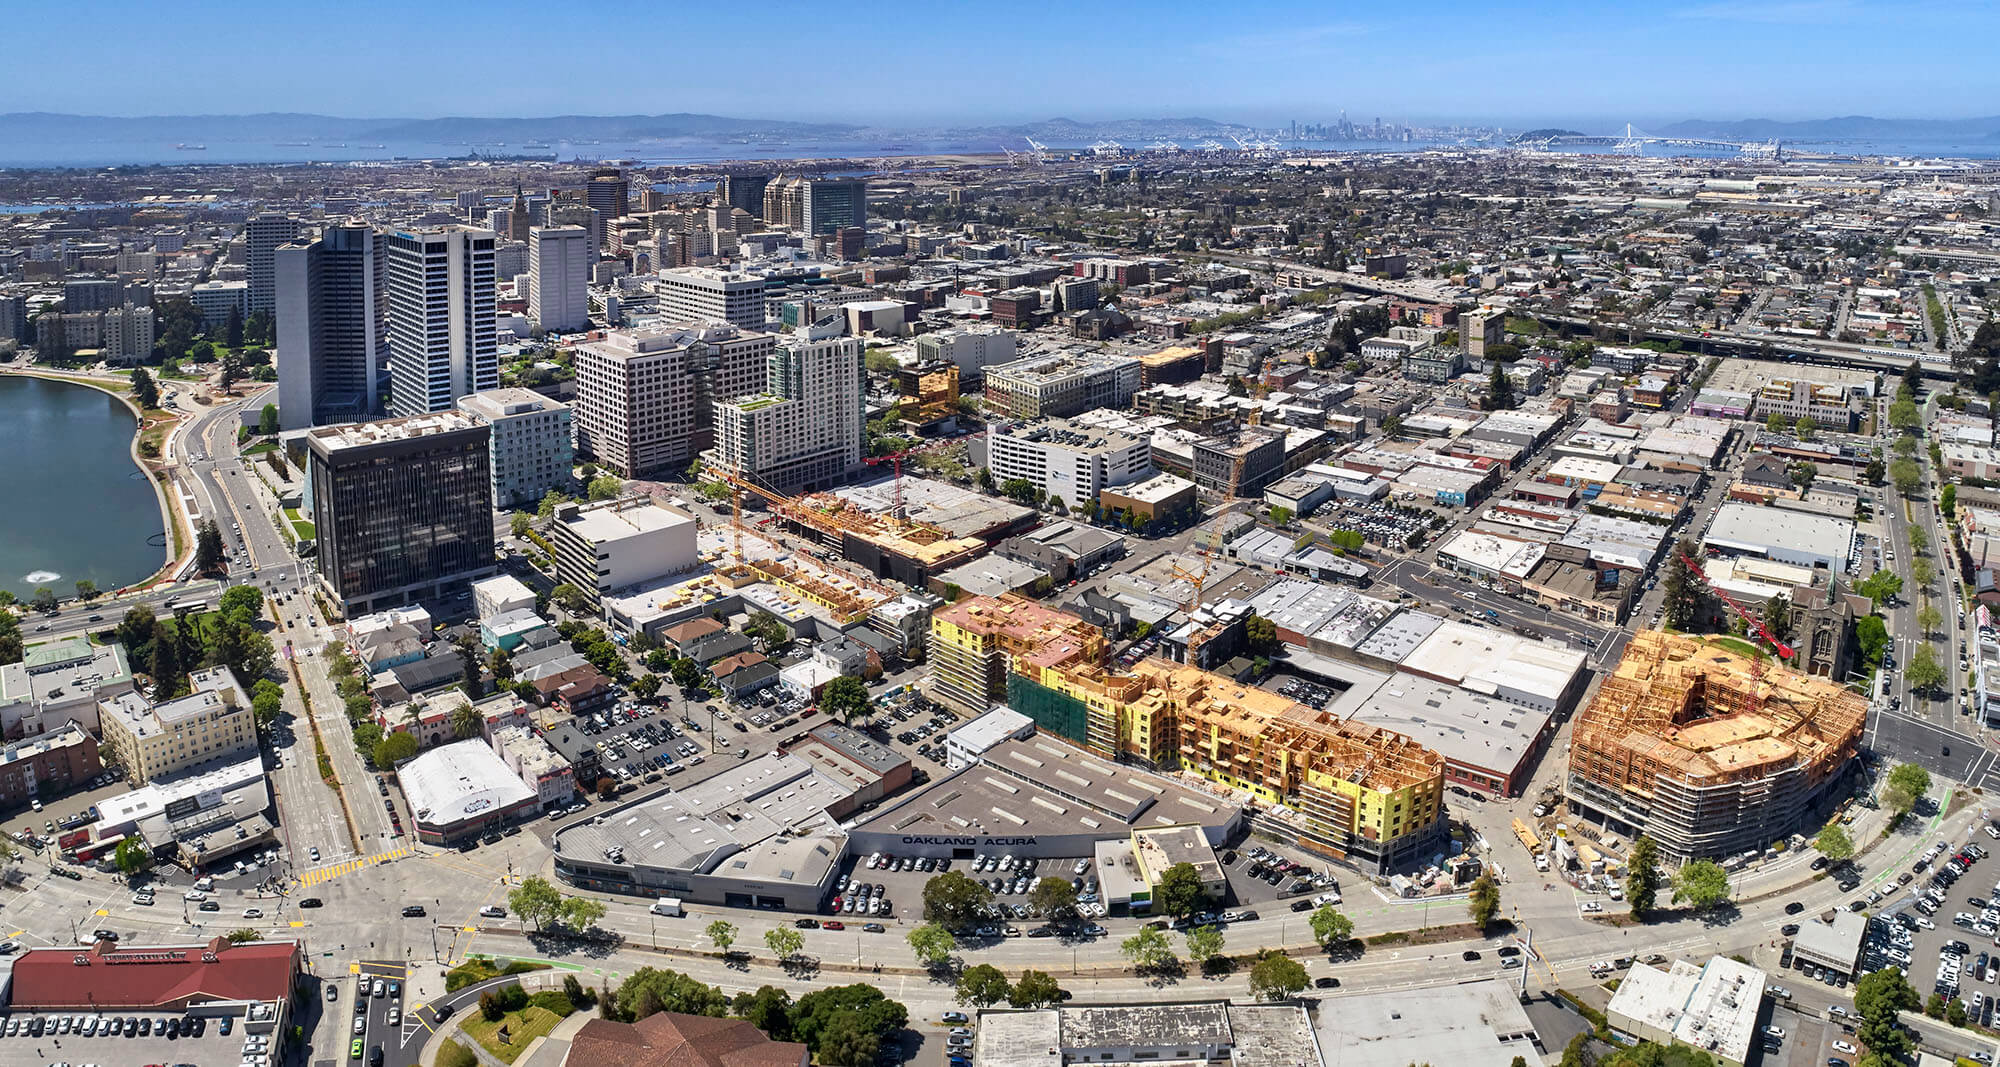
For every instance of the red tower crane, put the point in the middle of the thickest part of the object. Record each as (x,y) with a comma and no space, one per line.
(1750,621)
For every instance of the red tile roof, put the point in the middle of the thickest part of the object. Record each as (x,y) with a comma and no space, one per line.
(107,976)
(669,1039)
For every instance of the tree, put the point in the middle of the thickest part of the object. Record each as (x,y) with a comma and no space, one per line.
(1260,634)
(267,702)
(1642,876)
(954,900)
(1878,997)
(1880,587)
(1053,898)
(1905,784)
(569,598)
(267,420)
(1774,422)
(581,912)
(1923,671)
(393,749)
(131,856)
(240,603)
(982,986)
(1833,843)
(722,934)
(166,668)
(1777,615)
(843,1026)
(12,649)
(1035,989)
(1204,943)
(465,721)
(1180,893)
(1802,474)
(1330,927)
(135,630)
(933,944)
(1923,572)
(1484,901)
(1276,976)
(1929,618)
(1702,884)
(551,500)
(646,686)
(1954,1012)
(1904,447)
(536,900)
(668,991)
(1685,594)
(208,550)
(1806,427)
(1948,500)
(784,942)
(1499,388)
(1873,471)
(1913,377)
(520,524)
(232,330)
(768,1009)
(1280,515)
(501,663)
(1907,476)
(1920,539)
(144,389)
(606,487)
(845,698)
(1903,416)
(1148,949)
(1873,636)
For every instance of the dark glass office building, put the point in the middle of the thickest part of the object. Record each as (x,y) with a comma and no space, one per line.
(404,508)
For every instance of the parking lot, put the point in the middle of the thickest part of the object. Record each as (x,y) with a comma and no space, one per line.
(643,743)
(1937,921)
(1384,525)
(139,1037)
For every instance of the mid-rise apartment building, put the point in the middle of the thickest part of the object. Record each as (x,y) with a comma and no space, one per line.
(530,443)
(1063,459)
(804,432)
(705,294)
(645,400)
(614,544)
(1064,384)
(973,348)
(404,508)
(559,265)
(1831,407)
(443,338)
(1477,329)
(212,724)
(333,316)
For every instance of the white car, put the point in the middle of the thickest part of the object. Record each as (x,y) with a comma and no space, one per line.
(1842,1046)
(1591,907)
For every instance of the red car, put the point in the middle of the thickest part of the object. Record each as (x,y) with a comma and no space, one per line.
(833,924)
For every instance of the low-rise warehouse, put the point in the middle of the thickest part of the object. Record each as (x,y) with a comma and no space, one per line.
(1040,798)
(758,835)
(458,790)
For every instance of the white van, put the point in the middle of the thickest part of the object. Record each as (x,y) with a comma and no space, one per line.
(668,906)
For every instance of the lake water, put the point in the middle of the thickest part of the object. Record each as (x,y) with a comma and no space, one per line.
(73,505)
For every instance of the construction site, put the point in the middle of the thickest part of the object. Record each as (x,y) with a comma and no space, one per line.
(886,545)
(1709,750)
(1368,795)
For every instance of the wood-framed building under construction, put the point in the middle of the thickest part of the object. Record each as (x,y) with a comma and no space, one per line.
(1706,750)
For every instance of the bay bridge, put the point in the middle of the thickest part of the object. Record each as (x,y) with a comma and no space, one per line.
(1633,140)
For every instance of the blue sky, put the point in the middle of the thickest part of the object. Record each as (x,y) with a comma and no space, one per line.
(893,62)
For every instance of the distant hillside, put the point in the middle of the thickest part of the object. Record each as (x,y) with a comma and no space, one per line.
(45,127)
(1833,129)
(1138,131)
(1544,133)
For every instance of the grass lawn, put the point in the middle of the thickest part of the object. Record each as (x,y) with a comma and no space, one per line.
(306,530)
(260,448)
(1740,647)
(522,1028)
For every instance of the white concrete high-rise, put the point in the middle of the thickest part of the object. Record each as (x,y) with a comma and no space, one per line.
(332,323)
(804,433)
(262,234)
(443,341)
(645,399)
(559,277)
(704,294)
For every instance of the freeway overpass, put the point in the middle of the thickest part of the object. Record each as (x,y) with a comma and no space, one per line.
(1808,350)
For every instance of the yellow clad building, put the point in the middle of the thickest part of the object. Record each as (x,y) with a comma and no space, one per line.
(1371,795)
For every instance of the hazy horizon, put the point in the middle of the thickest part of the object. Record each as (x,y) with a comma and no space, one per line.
(919,65)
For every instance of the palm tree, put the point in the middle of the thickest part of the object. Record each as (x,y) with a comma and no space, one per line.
(465,721)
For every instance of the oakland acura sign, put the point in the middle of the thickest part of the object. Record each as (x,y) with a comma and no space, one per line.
(972,842)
